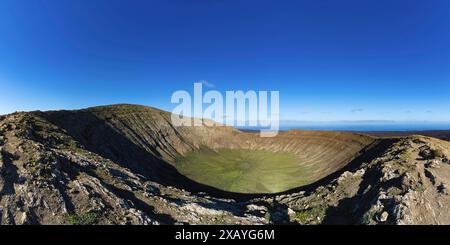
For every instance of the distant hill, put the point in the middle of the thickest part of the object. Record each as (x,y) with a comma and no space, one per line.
(439,134)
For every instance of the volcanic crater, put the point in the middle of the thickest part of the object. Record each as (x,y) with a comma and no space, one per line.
(216,159)
(128,164)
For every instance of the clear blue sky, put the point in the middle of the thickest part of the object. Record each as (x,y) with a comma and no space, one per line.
(330,60)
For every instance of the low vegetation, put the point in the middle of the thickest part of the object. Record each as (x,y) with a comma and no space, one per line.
(245,171)
(88,218)
(311,215)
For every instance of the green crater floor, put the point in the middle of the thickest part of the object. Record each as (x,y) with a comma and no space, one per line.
(244,171)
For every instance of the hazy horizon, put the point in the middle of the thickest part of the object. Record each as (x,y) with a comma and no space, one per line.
(360,126)
(342,125)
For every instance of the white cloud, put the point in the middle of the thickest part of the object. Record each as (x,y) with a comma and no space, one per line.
(207,84)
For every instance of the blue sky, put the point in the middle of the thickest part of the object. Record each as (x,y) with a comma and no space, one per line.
(330,60)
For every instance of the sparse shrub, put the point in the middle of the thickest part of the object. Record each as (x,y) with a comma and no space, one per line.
(437,153)
(394,191)
(89,218)
(429,154)
(404,155)
(220,220)
(370,217)
(311,215)
(419,187)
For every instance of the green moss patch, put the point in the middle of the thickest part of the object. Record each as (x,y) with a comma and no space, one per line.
(245,171)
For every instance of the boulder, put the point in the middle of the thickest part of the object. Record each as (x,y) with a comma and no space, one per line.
(384,216)
(433,164)
(256,208)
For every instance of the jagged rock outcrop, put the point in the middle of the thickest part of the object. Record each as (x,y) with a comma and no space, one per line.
(398,186)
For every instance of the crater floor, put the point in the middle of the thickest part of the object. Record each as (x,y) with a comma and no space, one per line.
(245,171)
